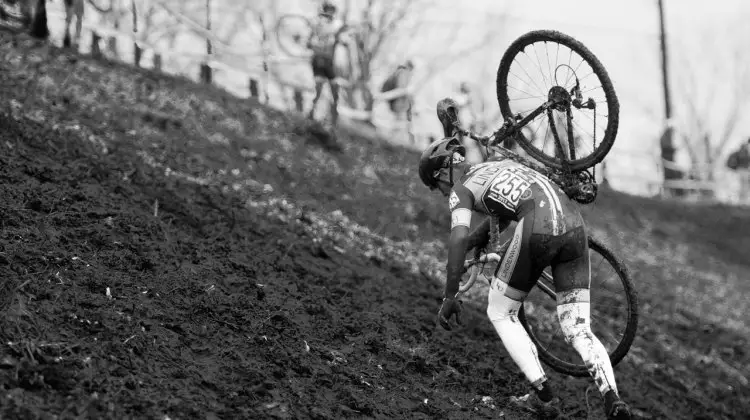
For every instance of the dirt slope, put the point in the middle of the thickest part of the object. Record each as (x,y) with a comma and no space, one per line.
(238,291)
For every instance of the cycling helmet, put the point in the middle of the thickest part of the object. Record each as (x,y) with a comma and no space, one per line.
(439,155)
(327,9)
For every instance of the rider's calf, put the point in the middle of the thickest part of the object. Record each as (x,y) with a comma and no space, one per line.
(574,313)
(502,311)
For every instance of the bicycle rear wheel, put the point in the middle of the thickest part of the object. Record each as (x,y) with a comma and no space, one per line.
(577,132)
(614,314)
(292,32)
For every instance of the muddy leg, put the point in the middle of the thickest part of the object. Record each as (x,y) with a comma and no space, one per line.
(574,313)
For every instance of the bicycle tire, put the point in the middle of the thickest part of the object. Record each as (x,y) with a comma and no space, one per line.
(281,40)
(613,106)
(619,352)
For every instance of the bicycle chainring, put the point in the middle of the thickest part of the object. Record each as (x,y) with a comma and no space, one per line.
(586,193)
(581,188)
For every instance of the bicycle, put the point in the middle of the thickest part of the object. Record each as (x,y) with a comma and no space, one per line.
(563,101)
(567,168)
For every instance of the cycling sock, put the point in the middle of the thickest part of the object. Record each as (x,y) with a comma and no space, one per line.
(575,321)
(503,313)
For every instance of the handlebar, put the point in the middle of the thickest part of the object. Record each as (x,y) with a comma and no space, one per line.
(473,263)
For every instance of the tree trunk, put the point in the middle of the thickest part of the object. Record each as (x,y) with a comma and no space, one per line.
(112,41)
(95,38)
(667,143)
(39,28)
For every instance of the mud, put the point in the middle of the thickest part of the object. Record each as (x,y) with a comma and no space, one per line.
(129,292)
(119,307)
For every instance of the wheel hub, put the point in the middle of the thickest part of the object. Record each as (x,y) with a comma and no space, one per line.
(559,97)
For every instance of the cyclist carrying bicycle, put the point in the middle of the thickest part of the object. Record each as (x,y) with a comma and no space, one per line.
(550,232)
(323,39)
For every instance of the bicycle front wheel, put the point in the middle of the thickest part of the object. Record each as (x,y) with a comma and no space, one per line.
(614,314)
(547,66)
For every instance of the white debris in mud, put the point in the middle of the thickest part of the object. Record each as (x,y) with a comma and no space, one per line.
(336,227)
(346,234)
(488,402)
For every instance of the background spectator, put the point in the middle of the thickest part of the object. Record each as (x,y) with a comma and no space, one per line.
(739,161)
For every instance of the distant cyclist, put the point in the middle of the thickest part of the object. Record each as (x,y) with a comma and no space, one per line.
(324,38)
(550,232)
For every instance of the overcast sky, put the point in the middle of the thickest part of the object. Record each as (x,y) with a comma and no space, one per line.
(707,41)
(703,35)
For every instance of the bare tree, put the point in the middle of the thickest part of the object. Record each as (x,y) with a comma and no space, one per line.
(376,22)
(713,95)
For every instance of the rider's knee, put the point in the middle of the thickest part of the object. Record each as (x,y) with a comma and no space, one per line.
(574,295)
(576,329)
(500,307)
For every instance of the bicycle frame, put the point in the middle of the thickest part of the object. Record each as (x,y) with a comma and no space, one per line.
(568,179)
(559,99)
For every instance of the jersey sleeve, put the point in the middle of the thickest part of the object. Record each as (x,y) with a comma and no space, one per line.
(461,204)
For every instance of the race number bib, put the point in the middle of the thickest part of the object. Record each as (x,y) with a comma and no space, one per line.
(508,187)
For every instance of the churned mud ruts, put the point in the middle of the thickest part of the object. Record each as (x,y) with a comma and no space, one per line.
(128,291)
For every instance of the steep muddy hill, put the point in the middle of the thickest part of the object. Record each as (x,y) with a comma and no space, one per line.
(169,250)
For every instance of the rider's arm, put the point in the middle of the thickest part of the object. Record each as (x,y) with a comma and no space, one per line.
(480,236)
(461,205)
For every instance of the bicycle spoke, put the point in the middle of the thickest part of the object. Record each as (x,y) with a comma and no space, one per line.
(520,79)
(593,73)
(524,81)
(576,82)
(549,67)
(523,91)
(546,133)
(599,128)
(593,88)
(527,97)
(539,66)
(537,130)
(573,73)
(531,79)
(582,129)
